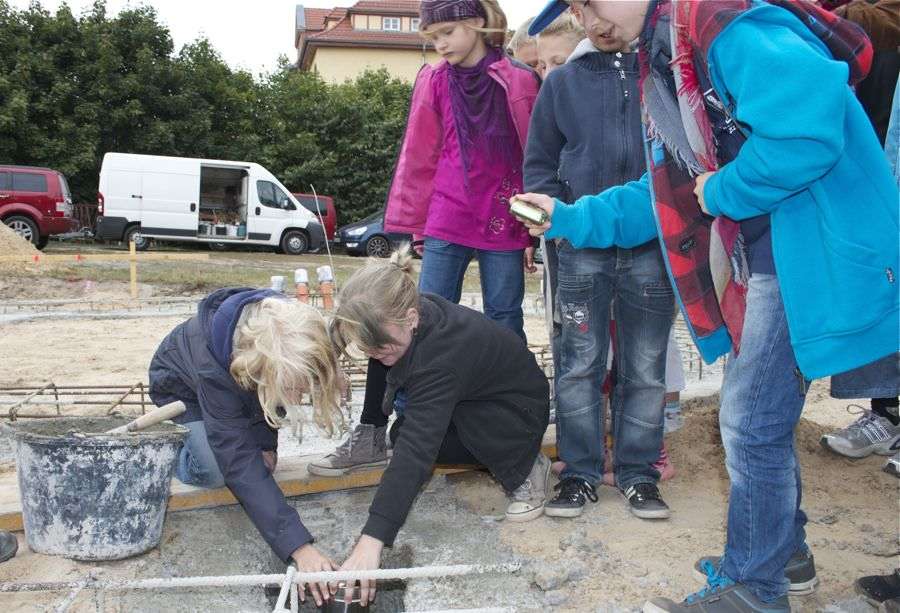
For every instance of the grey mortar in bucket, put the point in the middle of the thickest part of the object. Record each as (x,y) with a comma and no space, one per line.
(91,496)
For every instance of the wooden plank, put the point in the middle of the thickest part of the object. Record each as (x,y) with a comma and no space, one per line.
(292,476)
(102,258)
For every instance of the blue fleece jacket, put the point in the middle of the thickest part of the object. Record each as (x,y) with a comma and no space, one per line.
(813,163)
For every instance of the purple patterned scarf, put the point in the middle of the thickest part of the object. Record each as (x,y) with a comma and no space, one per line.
(481,112)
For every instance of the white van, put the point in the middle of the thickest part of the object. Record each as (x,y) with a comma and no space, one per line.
(143,197)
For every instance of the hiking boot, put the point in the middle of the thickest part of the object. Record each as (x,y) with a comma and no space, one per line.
(364,449)
(721,595)
(879,588)
(529,498)
(645,501)
(8,545)
(800,571)
(892,466)
(573,493)
(869,434)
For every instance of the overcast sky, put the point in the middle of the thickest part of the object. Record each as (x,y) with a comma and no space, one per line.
(250,34)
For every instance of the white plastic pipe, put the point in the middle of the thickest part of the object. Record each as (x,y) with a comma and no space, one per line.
(424,572)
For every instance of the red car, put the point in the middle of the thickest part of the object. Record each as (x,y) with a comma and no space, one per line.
(326,210)
(35,203)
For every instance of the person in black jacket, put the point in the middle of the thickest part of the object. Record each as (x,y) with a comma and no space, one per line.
(473,394)
(241,366)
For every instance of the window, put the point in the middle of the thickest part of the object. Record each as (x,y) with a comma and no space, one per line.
(271,195)
(5,181)
(414,24)
(28,182)
(309,203)
(391,24)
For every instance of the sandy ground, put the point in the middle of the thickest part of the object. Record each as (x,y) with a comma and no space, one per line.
(852,505)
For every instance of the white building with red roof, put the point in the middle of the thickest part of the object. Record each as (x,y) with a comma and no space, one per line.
(342,42)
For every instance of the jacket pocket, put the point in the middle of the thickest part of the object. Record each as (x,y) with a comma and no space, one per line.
(579,175)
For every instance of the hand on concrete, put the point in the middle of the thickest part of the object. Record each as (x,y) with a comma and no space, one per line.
(698,189)
(529,260)
(541,201)
(309,560)
(270,459)
(365,556)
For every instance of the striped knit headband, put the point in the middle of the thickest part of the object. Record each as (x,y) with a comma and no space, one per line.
(437,11)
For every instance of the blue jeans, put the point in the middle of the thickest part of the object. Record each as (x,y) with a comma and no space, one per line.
(196,463)
(762,397)
(589,280)
(444,266)
(880,379)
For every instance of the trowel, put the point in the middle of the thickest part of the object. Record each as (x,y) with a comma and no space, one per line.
(152,418)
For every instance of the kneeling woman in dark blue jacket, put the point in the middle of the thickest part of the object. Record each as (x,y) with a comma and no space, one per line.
(472,394)
(241,366)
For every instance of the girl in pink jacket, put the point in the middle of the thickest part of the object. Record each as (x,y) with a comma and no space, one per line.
(460,161)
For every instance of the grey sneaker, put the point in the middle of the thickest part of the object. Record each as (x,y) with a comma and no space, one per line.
(800,571)
(892,466)
(8,545)
(869,434)
(529,498)
(721,595)
(365,449)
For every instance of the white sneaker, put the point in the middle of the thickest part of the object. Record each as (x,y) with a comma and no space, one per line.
(892,466)
(869,434)
(529,498)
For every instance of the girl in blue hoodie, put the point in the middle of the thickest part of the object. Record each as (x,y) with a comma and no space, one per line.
(778,218)
(241,366)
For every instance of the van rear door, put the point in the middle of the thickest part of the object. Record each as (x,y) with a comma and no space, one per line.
(169,203)
(122,193)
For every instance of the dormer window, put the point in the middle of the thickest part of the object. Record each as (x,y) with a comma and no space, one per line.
(391,24)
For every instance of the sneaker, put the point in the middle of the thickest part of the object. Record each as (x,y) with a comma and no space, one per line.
(529,498)
(364,449)
(879,588)
(573,493)
(800,571)
(9,545)
(892,466)
(663,465)
(721,595)
(645,501)
(869,434)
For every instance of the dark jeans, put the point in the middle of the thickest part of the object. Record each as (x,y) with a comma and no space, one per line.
(452,450)
(591,283)
(880,379)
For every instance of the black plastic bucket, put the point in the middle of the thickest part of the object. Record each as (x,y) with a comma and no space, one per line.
(90,496)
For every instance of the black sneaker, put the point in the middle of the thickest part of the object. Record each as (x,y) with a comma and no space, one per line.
(800,571)
(572,494)
(879,588)
(645,501)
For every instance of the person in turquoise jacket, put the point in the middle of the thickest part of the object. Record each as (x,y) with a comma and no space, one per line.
(800,206)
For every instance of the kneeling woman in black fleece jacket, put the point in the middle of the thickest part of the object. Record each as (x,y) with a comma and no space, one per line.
(245,355)
(474,395)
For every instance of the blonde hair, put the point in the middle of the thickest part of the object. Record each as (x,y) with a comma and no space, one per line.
(521,38)
(564,25)
(282,349)
(495,26)
(381,292)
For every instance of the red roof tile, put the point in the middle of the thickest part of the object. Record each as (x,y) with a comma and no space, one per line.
(376,7)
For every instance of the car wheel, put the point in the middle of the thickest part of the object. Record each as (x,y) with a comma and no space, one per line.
(294,242)
(24,227)
(43,242)
(141,243)
(378,247)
